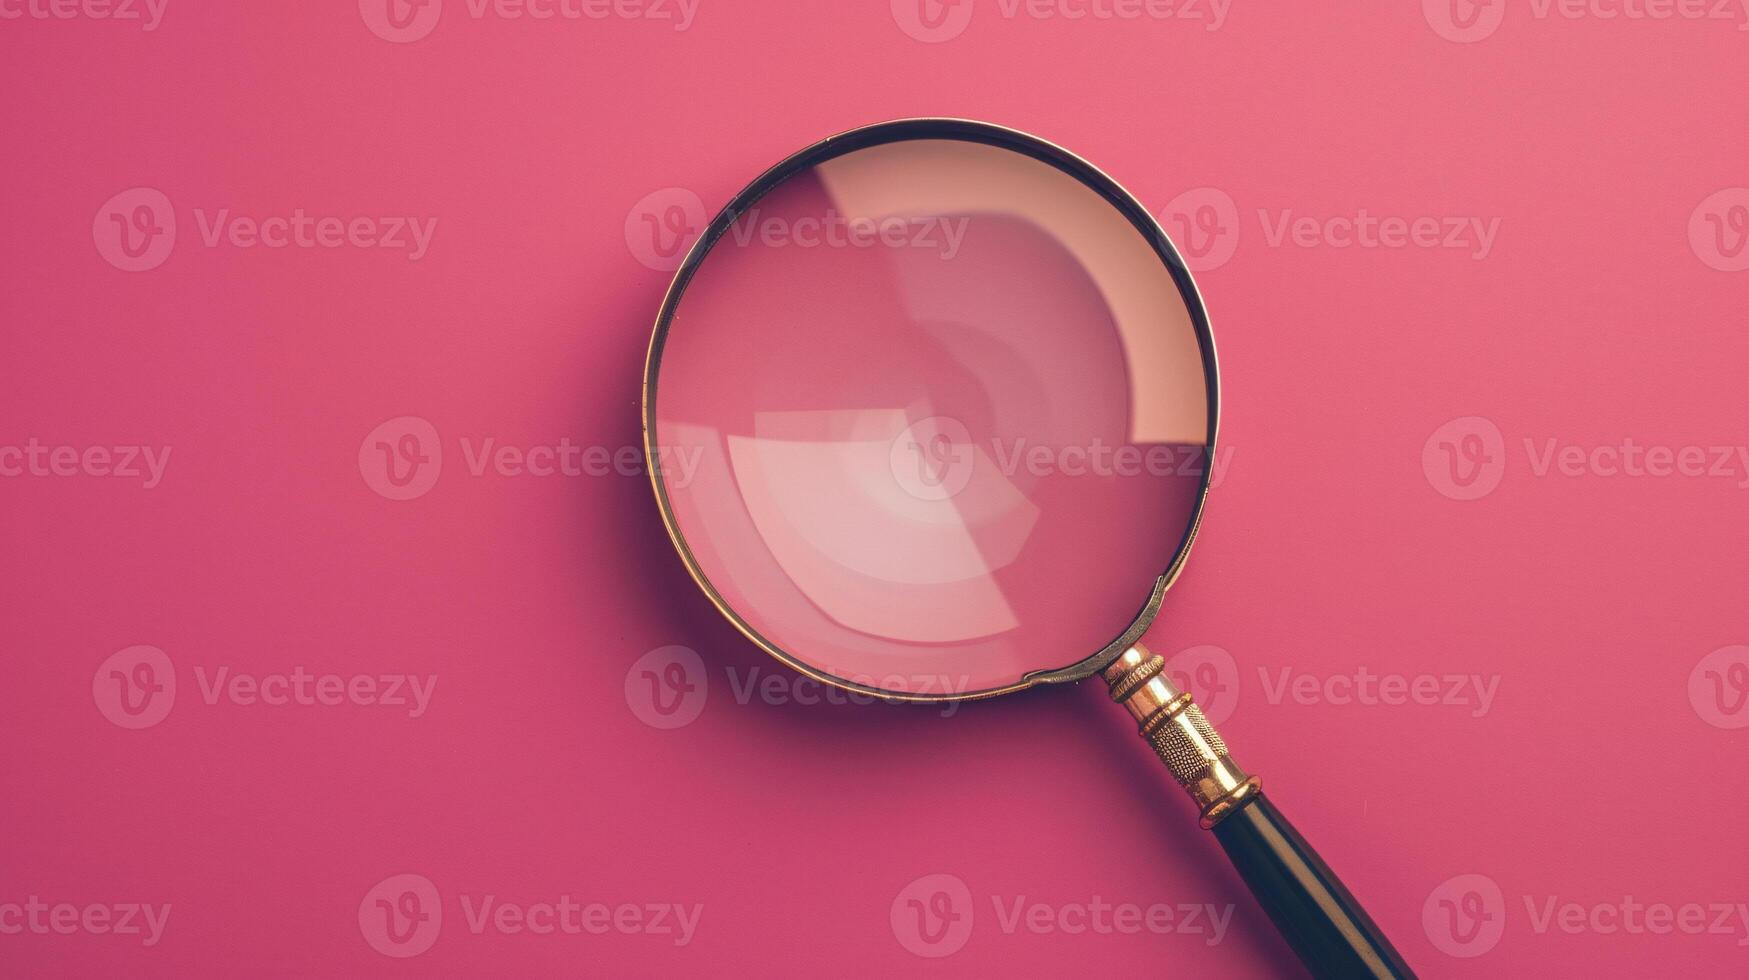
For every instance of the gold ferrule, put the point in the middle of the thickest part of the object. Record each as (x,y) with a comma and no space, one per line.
(1183,739)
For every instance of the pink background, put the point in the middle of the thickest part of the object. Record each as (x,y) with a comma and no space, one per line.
(1608,764)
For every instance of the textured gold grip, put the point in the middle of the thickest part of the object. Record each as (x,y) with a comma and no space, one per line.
(1181,736)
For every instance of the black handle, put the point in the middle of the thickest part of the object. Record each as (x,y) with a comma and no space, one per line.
(1323,923)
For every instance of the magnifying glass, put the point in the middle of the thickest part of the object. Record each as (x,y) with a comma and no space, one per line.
(930,413)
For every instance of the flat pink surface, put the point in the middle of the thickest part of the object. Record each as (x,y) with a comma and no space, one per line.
(413,689)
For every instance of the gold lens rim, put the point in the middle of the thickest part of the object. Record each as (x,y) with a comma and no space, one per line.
(937,127)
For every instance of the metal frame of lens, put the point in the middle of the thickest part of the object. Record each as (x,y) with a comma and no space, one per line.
(975,132)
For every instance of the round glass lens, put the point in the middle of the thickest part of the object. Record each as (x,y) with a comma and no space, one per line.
(930,416)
